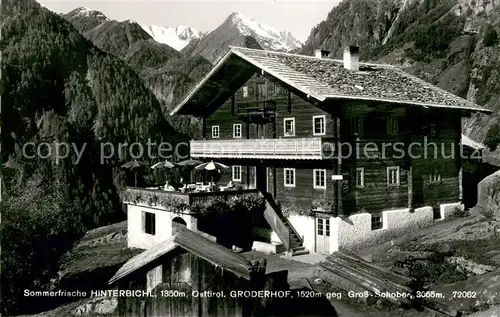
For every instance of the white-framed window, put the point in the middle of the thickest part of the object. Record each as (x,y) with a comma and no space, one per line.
(319,178)
(360,177)
(289,126)
(393,176)
(289,177)
(245,91)
(392,126)
(323,227)
(435,176)
(215,131)
(237,130)
(319,125)
(377,221)
(236,173)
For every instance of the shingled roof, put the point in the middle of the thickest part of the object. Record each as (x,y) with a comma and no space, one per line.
(466,141)
(324,78)
(194,243)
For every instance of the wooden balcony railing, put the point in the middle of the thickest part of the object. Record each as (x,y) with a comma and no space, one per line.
(292,148)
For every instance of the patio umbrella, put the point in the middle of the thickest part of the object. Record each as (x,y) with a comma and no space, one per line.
(164,164)
(134,166)
(211,166)
(189,162)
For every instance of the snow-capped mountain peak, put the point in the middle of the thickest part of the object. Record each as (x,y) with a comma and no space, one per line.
(177,37)
(268,37)
(87,12)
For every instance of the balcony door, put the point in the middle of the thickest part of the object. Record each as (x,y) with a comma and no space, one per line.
(261,177)
(323,235)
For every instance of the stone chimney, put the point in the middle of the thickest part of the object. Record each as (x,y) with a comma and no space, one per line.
(351,58)
(321,53)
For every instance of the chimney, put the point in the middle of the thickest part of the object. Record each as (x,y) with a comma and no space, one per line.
(321,53)
(351,58)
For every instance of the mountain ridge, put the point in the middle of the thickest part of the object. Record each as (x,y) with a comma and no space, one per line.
(177,37)
(235,31)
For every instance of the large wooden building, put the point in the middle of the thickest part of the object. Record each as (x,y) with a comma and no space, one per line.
(347,154)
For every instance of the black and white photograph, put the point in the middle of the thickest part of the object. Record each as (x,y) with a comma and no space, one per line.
(258,158)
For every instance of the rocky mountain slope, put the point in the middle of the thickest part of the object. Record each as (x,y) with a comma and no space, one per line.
(234,31)
(445,42)
(126,39)
(177,37)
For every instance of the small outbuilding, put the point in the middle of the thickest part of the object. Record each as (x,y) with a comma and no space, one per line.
(192,275)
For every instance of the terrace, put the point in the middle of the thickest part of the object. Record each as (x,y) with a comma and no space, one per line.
(195,201)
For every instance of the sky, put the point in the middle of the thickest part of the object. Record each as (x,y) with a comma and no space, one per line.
(298,17)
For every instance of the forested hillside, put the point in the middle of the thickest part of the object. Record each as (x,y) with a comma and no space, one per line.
(450,43)
(166,72)
(59,87)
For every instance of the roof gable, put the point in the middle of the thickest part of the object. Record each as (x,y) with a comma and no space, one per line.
(323,78)
(194,243)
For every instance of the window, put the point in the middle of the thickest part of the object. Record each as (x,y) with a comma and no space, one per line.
(245,91)
(392,126)
(289,177)
(237,173)
(377,222)
(323,227)
(356,125)
(215,131)
(360,177)
(435,177)
(393,176)
(319,179)
(278,90)
(319,125)
(149,224)
(289,126)
(237,130)
(261,91)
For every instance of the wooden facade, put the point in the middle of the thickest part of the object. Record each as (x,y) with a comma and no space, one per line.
(331,138)
(179,274)
(191,275)
(362,125)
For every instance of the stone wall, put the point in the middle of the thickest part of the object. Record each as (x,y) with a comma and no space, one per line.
(355,232)
(488,195)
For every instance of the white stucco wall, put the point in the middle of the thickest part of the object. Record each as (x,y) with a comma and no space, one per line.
(305,227)
(136,238)
(448,210)
(355,231)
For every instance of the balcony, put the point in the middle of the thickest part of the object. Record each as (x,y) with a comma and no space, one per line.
(292,148)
